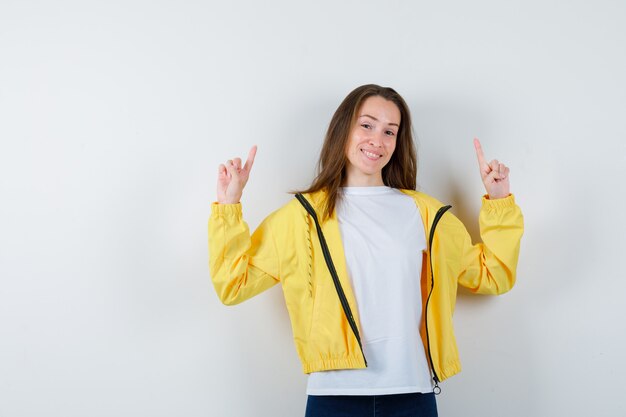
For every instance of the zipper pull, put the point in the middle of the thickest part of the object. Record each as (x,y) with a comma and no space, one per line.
(436,389)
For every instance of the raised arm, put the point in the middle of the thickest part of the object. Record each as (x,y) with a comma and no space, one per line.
(241,265)
(490,267)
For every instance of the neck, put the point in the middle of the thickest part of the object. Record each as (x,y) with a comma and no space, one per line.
(363,180)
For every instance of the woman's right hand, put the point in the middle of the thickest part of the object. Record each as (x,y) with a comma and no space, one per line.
(232,178)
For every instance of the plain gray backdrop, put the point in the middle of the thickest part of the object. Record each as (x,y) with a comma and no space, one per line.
(115,115)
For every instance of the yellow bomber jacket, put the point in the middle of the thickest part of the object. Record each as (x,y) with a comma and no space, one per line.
(285,248)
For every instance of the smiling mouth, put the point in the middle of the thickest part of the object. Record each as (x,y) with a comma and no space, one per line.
(371,155)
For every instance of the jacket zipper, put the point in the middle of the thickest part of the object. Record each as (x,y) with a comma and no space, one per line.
(333,272)
(438,216)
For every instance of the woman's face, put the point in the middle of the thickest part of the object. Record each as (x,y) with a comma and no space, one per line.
(372,141)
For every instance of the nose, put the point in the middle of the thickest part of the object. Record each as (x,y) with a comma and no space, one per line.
(376,139)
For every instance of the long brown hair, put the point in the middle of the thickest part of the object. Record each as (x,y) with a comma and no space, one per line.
(400,171)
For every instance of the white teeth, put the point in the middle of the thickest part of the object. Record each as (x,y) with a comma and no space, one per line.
(371,155)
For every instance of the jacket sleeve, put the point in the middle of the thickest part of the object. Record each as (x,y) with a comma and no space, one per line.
(490,267)
(241,266)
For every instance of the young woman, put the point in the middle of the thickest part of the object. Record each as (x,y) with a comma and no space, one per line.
(369,267)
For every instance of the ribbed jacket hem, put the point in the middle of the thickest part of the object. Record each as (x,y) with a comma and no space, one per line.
(349,362)
(452,368)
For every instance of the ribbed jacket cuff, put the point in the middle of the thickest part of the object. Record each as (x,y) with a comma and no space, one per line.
(499,203)
(218,209)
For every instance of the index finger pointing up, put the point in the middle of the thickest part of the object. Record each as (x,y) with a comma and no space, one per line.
(250,160)
(479,153)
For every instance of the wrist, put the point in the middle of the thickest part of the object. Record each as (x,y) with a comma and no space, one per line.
(225,198)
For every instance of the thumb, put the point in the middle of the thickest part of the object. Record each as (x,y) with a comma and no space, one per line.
(491,177)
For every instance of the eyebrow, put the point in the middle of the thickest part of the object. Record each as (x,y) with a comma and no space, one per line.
(372,117)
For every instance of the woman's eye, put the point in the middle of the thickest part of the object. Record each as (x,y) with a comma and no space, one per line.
(390,133)
(366,125)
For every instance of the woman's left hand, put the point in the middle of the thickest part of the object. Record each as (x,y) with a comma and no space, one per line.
(495,175)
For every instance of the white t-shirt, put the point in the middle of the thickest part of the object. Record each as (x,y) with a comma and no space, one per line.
(383,238)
